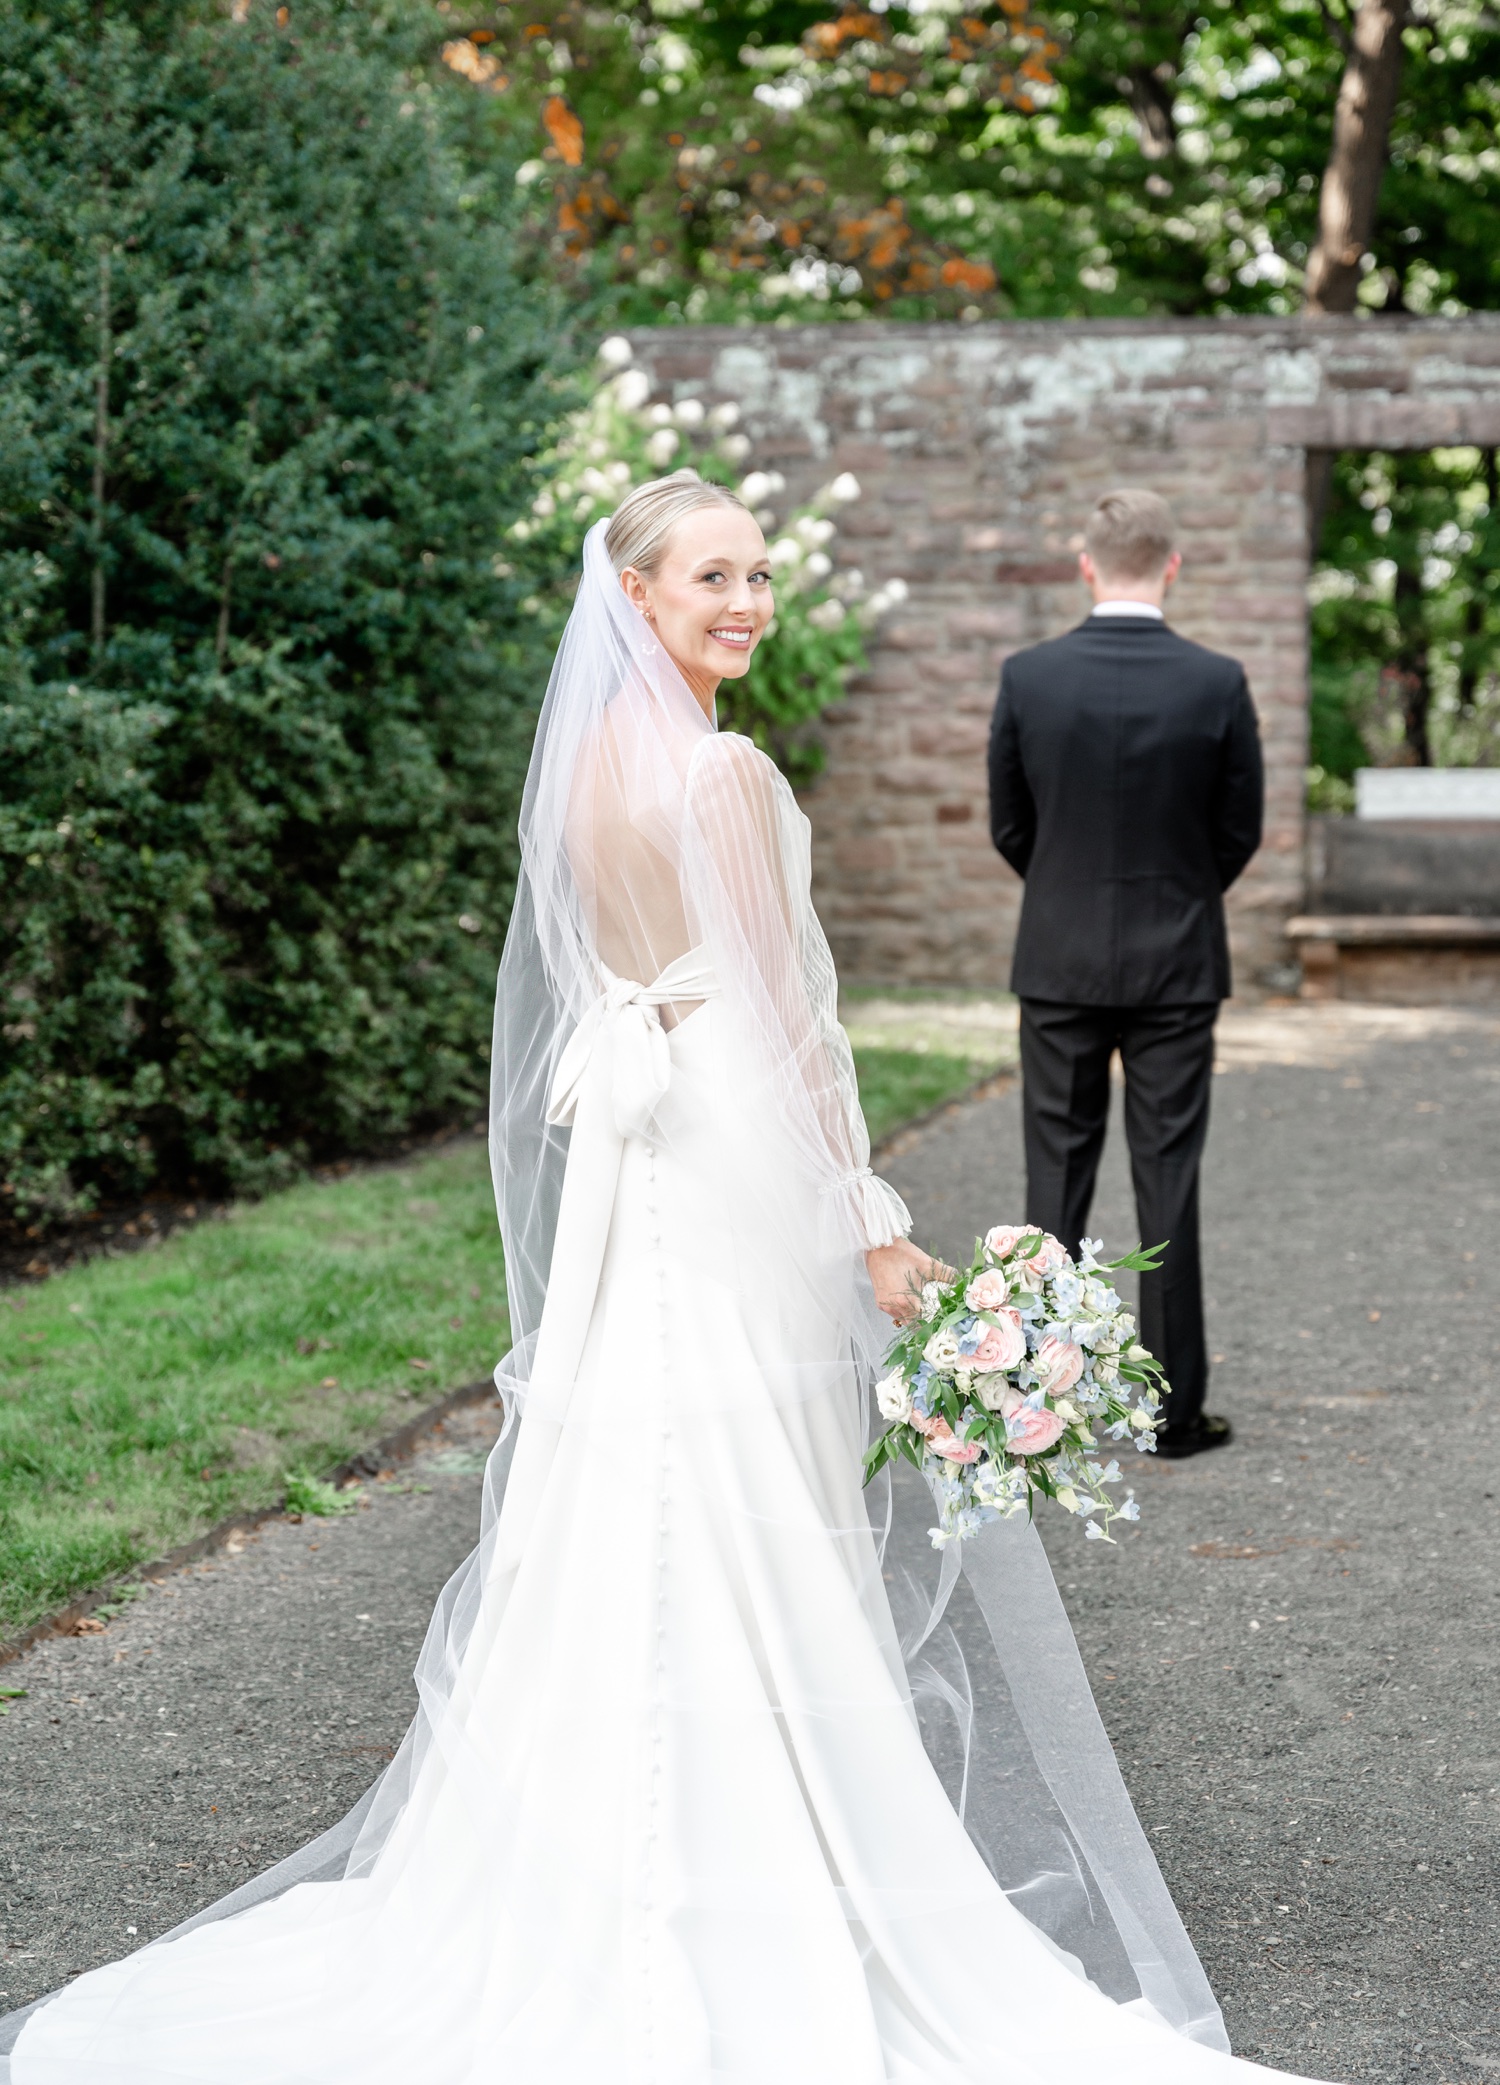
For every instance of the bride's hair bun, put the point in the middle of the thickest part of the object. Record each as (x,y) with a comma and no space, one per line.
(642,525)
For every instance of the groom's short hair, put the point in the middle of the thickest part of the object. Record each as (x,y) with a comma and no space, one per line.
(1130,534)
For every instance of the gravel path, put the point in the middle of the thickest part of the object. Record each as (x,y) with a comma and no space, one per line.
(1295,1652)
(229,1715)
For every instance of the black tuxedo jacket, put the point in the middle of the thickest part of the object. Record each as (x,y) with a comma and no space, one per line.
(1126,787)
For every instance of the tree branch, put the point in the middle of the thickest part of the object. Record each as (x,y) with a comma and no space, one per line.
(101,452)
(1337,30)
(1151,96)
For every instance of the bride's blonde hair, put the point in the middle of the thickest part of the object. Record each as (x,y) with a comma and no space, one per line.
(642,525)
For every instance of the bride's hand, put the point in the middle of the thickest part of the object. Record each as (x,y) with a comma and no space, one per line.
(897,1272)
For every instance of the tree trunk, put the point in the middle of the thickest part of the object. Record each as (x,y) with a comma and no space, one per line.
(102,362)
(1477,605)
(1351,190)
(1410,670)
(1356,162)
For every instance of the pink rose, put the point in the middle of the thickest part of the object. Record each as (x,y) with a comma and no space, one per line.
(1001,1240)
(1049,1257)
(1003,1344)
(987,1291)
(942,1440)
(1032,1429)
(1059,1364)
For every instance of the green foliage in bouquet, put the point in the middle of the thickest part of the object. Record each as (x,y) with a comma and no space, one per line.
(817,640)
(269,390)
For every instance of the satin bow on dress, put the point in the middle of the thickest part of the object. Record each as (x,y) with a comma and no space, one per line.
(611,1078)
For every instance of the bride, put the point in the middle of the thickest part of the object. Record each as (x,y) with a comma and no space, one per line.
(665,1815)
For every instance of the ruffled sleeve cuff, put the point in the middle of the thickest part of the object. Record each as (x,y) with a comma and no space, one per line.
(879,1211)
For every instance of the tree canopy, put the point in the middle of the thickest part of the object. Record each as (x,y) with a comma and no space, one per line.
(1033,157)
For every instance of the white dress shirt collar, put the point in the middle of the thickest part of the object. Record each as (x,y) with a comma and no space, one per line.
(1128,608)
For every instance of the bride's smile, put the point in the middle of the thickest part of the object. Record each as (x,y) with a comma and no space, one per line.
(709,598)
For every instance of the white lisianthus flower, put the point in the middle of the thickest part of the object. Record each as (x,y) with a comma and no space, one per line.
(942,1350)
(1141,1419)
(1067,1498)
(991,1389)
(932,1296)
(893,1396)
(1067,1411)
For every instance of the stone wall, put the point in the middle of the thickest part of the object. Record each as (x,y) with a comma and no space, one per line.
(980,450)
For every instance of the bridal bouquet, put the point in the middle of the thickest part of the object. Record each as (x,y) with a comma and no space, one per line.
(998,1386)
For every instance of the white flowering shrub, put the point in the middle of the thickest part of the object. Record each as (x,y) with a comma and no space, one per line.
(823,611)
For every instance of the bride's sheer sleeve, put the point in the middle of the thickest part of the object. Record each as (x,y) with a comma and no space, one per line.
(747,876)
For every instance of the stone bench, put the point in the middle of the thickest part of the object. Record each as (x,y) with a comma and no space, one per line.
(1412,959)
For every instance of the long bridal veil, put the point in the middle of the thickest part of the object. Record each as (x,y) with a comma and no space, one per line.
(648,837)
(665,882)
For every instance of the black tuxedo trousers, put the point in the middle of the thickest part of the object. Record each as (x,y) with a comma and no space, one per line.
(1167,1053)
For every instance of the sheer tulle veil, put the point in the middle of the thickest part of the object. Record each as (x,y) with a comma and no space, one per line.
(664,868)
(647,835)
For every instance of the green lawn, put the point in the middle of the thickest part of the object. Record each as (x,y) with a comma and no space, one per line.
(145,1397)
(913,1049)
(897,1084)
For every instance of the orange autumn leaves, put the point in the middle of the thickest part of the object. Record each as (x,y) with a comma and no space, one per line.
(564,129)
(706,202)
(1002,60)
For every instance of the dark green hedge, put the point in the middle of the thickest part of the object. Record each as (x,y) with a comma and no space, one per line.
(268,389)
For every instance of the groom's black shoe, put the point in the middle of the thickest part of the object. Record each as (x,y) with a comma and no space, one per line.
(1206,1431)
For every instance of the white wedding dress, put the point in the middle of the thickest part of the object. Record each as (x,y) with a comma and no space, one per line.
(666,1816)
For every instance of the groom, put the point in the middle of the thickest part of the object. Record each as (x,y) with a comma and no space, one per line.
(1126,788)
